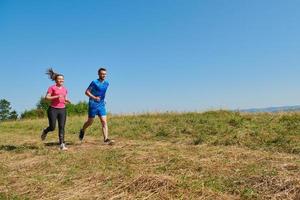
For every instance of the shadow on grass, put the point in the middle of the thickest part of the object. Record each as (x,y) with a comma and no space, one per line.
(18,147)
(51,144)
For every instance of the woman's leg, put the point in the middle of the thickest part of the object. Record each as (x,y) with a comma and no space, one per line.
(52,115)
(61,117)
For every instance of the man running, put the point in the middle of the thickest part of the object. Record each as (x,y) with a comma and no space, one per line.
(96,93)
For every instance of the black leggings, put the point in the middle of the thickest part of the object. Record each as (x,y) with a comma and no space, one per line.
(60,115)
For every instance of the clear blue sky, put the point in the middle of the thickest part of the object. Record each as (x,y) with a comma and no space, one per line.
(180,55)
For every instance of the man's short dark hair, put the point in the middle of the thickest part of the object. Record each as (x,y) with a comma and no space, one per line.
(101,69)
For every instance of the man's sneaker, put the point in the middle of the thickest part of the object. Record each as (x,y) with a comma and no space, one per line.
(108,141)
(43,135)
(81,134)
(63,147)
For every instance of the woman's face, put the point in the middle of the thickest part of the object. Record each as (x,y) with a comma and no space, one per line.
(60,80)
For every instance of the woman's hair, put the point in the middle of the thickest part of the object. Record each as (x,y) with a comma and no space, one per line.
(52,75)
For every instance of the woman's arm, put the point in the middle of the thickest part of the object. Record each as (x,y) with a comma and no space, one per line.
(67,100)
(49,97)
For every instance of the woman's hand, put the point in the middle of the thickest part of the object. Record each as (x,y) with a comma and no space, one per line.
(49,97)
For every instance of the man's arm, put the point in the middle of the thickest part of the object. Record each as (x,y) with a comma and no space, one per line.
(89,94)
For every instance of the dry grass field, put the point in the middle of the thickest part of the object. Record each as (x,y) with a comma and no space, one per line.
(212,155)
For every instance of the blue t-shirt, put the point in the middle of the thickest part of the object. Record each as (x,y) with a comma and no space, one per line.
(98,89)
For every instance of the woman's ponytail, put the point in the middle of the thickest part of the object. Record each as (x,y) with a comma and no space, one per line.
(51,74)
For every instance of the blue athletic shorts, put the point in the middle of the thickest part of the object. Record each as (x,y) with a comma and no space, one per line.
(99,110)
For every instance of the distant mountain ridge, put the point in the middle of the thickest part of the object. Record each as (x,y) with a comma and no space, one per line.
(273,109)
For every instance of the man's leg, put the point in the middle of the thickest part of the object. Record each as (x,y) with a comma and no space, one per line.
(103,120)
(88,123)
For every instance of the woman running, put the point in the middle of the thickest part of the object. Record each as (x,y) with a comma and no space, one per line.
(57,94)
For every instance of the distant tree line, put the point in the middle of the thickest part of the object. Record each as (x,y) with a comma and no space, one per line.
(42,106)
(6,112)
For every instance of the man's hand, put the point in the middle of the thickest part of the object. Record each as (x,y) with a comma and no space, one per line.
(97,98)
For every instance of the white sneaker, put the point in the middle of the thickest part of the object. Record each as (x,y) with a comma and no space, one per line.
(63,147)
(109,141)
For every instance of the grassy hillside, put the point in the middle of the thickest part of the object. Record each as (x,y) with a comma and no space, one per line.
(212,155)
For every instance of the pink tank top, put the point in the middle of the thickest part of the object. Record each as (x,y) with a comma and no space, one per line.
(54,91)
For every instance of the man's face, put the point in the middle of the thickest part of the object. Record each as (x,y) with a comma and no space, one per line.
(102,74)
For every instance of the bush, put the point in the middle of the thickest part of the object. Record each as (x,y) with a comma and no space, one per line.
(33,114)
(77,109)
(42,107)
